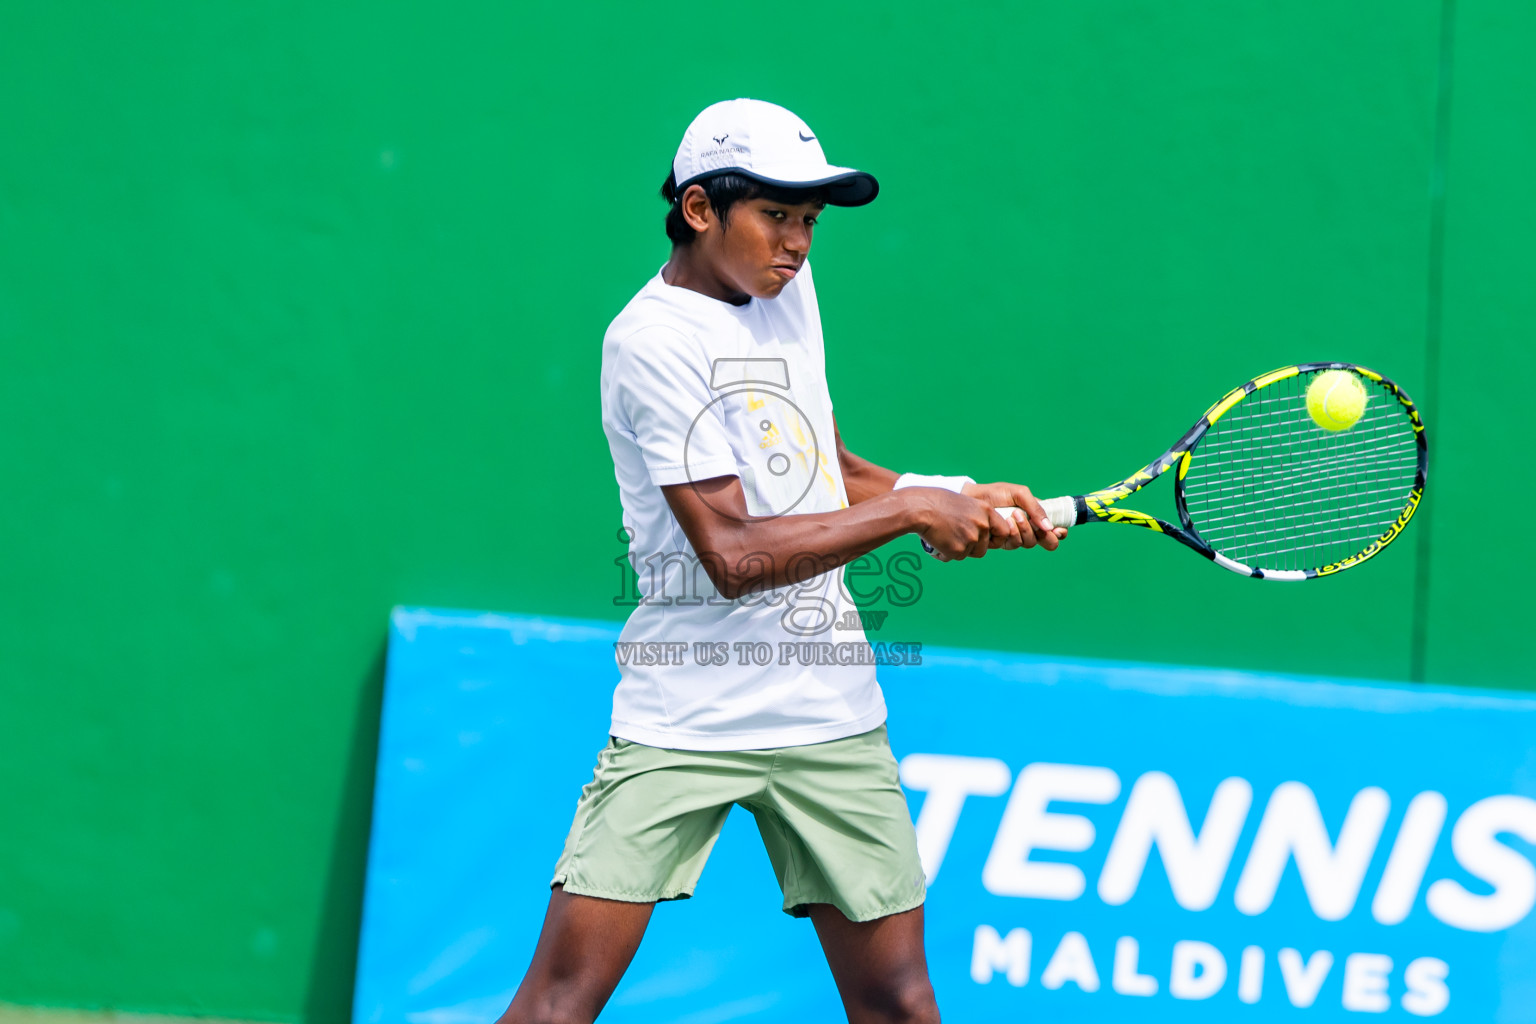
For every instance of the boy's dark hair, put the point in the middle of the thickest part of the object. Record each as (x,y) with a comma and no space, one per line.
(724,191)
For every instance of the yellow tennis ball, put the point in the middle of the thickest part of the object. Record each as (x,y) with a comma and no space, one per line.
(1336,399)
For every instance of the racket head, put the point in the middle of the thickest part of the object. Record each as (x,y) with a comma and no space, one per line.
(1269,493)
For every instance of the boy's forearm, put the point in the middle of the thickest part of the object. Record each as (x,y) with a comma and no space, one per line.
(743,554)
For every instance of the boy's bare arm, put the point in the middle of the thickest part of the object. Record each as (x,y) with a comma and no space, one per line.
(744,553)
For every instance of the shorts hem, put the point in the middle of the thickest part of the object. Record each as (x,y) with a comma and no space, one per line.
(578,889)
(900,907)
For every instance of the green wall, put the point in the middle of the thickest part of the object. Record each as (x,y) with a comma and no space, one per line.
(300,309)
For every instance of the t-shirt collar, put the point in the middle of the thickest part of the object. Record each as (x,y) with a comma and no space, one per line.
(703,301)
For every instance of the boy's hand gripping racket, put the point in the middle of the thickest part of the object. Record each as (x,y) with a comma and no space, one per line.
(1294,475)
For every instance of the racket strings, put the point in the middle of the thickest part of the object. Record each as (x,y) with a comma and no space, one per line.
(1270,488)
(1320,473)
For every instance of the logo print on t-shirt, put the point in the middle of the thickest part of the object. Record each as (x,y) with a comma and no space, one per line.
(778,455)
(771,438)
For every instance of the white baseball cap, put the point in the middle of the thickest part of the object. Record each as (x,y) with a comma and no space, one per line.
(767,143)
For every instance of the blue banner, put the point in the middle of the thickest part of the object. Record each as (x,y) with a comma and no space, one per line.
(1104,842)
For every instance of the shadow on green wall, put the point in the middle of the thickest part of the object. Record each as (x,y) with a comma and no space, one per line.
(334,966)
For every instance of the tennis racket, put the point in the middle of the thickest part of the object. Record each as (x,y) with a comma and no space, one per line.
(1264,491)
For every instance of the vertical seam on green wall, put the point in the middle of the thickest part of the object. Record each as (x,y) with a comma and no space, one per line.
(1433,327)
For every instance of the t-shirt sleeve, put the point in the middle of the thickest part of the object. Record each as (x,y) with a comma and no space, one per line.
(664,401)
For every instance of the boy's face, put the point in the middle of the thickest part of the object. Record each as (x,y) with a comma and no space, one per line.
(761,245)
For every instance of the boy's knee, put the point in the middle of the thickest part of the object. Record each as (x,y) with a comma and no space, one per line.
(550,1009)
(906,1000)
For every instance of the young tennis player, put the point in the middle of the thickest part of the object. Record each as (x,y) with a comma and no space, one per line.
(743,504)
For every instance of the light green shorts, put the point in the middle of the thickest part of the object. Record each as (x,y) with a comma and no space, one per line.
(832,816)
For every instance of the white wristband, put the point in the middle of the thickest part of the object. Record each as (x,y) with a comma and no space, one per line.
(949,483)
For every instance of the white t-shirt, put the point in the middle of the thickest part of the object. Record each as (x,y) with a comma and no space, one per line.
(694,388)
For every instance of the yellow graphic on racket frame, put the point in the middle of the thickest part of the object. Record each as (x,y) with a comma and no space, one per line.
(1263,491)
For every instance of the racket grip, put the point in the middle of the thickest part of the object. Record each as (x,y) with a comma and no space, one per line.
(1061,511)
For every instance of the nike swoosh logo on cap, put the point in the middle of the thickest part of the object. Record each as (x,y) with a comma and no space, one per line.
(805,138)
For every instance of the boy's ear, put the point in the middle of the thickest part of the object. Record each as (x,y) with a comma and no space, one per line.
(696,209)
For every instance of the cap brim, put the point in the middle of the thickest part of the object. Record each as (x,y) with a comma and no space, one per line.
(845,186)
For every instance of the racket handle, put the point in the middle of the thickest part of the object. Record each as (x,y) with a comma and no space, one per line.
(1061,511)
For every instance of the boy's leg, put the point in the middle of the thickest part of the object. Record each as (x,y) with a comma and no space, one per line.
(583,951)
(879,966)
(836,826)
(643,829)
